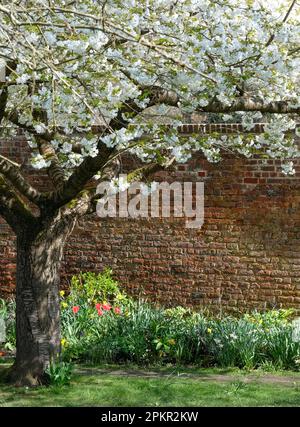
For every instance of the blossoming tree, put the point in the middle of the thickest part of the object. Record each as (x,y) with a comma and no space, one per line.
(78,78)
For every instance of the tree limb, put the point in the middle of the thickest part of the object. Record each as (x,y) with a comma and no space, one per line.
(246,104)
(251,104)
(12,208)
(159,95)
(3,101)
(13,174)
(9,68)
(82,174)
(55,171)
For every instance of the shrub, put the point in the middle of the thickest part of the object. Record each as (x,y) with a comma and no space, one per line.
(91,288)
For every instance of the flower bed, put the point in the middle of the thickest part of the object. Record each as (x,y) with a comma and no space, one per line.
(102,324)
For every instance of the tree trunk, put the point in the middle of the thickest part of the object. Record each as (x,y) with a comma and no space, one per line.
(39,256)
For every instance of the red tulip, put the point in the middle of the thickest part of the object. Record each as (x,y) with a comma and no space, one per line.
(100,312)
(98,306)
(106,307)
(75,309)
(117,310)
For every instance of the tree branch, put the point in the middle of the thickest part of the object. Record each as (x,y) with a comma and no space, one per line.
(246,104)
(12,208)
(12,173)
(14,118)
(55,171)
(251,104)
(80,177)
(3,101)
(283,21)
(147,171)
(158,95)
(9,68)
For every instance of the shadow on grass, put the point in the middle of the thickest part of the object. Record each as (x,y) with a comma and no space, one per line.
(104,386)
(156,370)
(4,369)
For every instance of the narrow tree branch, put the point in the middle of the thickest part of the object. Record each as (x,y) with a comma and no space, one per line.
(283,21)
(9,161)
(146,172)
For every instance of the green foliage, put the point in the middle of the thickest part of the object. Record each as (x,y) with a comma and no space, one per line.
(143,334)
(59,373)
(96,297)
(7,313)
(270,318)
(100,323)
(91,288)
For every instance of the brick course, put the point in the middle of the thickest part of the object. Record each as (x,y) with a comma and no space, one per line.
(246,255)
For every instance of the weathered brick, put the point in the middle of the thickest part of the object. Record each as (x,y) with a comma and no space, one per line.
(245,256)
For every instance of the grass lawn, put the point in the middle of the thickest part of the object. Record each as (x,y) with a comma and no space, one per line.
(130,386)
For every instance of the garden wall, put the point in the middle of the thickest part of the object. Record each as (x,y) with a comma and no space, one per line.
(246,255)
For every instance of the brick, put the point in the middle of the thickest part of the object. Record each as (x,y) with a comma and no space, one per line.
(245,256)
(250,180)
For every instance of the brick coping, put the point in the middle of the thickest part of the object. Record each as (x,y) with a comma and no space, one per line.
(201,128)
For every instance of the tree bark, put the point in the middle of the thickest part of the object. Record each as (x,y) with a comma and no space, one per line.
(39,257)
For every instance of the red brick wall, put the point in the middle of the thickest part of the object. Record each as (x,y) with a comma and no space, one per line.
(246,255)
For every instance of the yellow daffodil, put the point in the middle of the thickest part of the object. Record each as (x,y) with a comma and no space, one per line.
(63,342)
(209,330)
(62,293)
(171,341)
(64,304)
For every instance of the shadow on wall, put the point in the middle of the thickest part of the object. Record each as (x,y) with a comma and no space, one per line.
(245,256)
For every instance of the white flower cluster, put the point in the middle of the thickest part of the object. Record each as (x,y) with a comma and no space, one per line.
(288,168)
(38,161)
(103,63)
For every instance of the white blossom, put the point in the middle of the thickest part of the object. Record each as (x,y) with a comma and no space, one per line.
(104,63)
(288,168)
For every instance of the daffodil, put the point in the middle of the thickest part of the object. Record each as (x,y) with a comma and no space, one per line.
(62,293)
(209,330)
(63,342)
